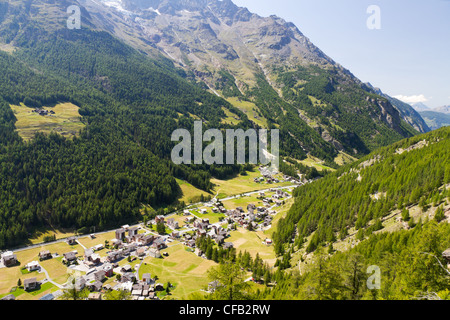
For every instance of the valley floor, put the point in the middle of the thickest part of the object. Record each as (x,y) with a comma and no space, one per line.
(178,265)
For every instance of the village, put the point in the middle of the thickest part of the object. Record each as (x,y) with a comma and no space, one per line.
(121,262)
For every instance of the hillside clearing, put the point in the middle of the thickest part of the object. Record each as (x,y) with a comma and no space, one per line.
(66,120)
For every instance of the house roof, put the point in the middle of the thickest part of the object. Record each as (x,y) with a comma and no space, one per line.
(48,297)
(29,281)
(70,255)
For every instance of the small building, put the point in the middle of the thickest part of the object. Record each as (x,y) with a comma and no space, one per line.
(155,253)
(30,284)
(96,296)
(9,297)
(159,287)
(140,252)
(120,234)
(100,275)
(116,242)
(47,297)
(126,268)
(95,286)
(33,265)
(70,256)
(172,223)
(44,255)
(133,231)
(98,247)
(114,256)
(9,259)
(191,243)
(159,219)
(71,241)
(109,270)
(147,239)
(227,245)
(219,240)
(159,244)
(147,278)
(189,219)
(80,283)
(128,277)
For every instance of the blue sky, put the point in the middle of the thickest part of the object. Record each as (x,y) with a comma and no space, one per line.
(409,57)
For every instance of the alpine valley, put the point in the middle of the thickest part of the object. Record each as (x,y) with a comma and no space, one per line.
(86,118)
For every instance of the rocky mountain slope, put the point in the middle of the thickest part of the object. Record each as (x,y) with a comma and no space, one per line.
(237,54)
(407,112)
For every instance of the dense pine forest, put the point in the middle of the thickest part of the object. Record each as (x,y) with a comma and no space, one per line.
(328,208)
(410,261)
(407,264)
(410,264)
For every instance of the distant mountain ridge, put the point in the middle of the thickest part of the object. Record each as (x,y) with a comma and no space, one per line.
(434,117)
(407,112)
(436,120)
(237,54)
(443,109)
(420,106)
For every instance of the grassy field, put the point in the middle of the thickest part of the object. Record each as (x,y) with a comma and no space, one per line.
(231,117)
(65,121)
(242,184)
(38,236)
(343,159)
(213,217)
(250,109)
(56,270)
(99,239)
(244,201)
(182,268)
(251,242)
(9,276)
(281,212)
(190,193)
(311,161)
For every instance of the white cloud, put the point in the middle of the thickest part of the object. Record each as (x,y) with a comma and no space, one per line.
(412,99)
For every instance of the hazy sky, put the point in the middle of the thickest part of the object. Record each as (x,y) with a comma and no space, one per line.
(409,57)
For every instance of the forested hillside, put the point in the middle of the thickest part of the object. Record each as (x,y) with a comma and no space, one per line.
(412,171)
(121,160)
(410,263)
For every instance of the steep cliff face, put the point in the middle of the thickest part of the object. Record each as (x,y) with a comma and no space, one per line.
(407,112)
